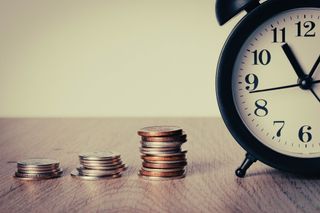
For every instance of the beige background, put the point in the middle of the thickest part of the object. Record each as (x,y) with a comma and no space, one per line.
(109,57)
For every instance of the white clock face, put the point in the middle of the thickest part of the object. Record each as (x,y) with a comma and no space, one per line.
(266,91)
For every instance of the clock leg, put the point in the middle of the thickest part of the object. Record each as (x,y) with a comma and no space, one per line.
(248,161)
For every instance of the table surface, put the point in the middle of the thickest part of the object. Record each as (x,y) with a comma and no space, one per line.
(210,184)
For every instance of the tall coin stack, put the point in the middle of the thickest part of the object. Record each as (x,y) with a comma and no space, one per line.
(99,165)
(161,152)
(38,169)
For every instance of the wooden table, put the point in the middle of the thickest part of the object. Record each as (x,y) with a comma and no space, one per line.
(210,185)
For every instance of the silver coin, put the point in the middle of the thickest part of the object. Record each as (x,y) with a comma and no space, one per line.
(76,174)
(119,166)
(38,162)
(99,173)
(99,155)
(34,171)
(39,176)
(160,144)
(159,152)
(101,164)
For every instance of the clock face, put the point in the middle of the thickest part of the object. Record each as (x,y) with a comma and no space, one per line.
(275,95)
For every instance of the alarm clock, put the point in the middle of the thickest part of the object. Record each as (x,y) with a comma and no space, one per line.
(268,82)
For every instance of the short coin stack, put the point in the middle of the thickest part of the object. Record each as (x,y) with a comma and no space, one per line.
(161,152)
(38,169)
(99,165)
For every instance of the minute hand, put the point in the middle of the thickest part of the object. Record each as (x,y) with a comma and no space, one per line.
(282,87)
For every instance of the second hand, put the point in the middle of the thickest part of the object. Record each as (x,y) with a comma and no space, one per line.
(282,87)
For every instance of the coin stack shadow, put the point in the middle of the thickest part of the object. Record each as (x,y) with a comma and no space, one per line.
(38,169)
(161,153)
(99,165)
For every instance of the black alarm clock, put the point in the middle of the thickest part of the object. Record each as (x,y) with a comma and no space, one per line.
(268,82)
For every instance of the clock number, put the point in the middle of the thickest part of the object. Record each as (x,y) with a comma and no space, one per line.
(261,110)
(281,124)
(305,135)
(309,26)
(263,57)
(282,34)
(253,82)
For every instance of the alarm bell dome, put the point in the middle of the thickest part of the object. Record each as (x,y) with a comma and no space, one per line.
(227,9)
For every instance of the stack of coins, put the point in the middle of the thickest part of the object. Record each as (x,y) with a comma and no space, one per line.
(99,165)
(38,169)
(161,152)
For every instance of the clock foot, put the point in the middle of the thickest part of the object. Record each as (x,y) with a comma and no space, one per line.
(248,161)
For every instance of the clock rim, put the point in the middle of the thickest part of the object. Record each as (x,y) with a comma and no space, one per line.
(226,103)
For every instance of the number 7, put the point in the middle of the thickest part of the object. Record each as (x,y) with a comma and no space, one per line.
(281,123)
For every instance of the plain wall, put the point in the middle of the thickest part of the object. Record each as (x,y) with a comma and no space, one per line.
(109,57)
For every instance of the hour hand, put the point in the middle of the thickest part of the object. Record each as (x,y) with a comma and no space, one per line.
(294,62)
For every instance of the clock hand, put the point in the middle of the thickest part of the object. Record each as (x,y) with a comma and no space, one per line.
(315,95)
(294,62)
(282,87)
(314,68)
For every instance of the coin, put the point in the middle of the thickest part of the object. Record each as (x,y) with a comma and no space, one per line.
(32,171)
(99,155)
(164,158)
(160,131)
(160,144)
(38,169)
(39,176)
(76,174)
(38,163)
(121,167)
(164,165)
(161,178)
(177,138)
(166,162)
(162,170)
(157,152)
(99,162)
(95,173)
(171,154)
(161,174)
(102,167)
(161,152)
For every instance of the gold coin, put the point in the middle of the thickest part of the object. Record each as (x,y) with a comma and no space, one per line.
(161,178)
(164,165)
(168,158)
(177,138)
(168,155)
(162,174)
(157,131)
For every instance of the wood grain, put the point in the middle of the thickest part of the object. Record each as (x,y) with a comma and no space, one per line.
(210,185)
